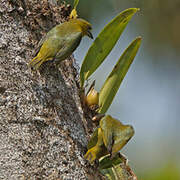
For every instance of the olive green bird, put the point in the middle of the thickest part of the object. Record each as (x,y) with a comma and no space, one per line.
(61,41)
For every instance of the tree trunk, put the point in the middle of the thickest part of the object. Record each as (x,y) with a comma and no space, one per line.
(41,119)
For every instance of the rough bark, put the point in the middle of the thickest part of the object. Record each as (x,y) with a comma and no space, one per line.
(41,119)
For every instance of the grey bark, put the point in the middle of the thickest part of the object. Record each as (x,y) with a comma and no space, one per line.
(42,135)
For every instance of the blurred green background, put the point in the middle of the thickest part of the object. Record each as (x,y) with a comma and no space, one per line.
(149,97)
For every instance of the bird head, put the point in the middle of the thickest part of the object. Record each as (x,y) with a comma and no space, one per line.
(85,27)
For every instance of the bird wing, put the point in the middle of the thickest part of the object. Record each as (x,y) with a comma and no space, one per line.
(69,45)
(43,39)
(40,43)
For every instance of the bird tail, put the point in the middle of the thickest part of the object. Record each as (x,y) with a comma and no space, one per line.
(35,63)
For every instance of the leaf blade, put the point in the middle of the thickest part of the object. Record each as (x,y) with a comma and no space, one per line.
(116,168)
(76,2)
(113,82)
(104,43)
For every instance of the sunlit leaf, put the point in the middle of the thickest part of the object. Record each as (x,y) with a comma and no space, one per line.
(104,43)
(112,83)
(73,14)
(75,3)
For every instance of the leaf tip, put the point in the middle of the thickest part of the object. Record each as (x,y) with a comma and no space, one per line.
(139,37)
(133,9)
(138,40)
(138,9)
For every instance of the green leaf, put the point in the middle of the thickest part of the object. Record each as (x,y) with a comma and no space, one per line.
(109,173)
(116,168)
(112,83)
(104,43)
(93,140)
(75,3)
(107,162)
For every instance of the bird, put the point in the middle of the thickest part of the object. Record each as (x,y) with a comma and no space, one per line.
(61,41)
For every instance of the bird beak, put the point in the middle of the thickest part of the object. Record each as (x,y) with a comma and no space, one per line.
(89,34)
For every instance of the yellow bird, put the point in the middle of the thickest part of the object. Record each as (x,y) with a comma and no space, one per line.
(61,41)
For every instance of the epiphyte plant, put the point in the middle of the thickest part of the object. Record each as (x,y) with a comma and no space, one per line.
(111,135)
(98,52)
